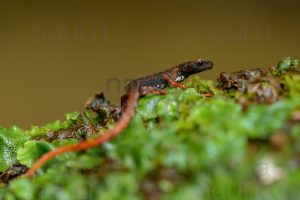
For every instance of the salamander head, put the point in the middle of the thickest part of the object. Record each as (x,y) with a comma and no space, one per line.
(193,67)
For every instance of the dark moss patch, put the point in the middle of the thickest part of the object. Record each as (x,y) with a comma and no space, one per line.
(11,173)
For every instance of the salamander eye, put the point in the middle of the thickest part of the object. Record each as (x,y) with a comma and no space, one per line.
(200,61)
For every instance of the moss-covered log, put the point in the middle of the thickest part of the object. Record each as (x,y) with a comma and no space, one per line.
(235,138)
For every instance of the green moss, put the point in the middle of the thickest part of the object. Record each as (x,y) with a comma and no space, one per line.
(32,150)
(287,63)
(10,140)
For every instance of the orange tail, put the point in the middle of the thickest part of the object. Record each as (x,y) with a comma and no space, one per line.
(120,126)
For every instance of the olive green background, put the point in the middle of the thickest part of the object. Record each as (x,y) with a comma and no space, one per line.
(56,54)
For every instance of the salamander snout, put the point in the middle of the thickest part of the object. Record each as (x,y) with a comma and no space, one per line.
(196,66)
(203,65)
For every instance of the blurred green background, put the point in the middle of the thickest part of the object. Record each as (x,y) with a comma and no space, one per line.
(56,54)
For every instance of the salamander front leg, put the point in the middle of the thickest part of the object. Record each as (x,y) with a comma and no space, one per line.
(173,83)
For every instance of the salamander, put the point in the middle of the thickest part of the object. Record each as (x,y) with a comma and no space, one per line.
(134,90)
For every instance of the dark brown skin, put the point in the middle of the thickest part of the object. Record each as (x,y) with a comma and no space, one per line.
(135,89)
(170,77)
(155,83)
